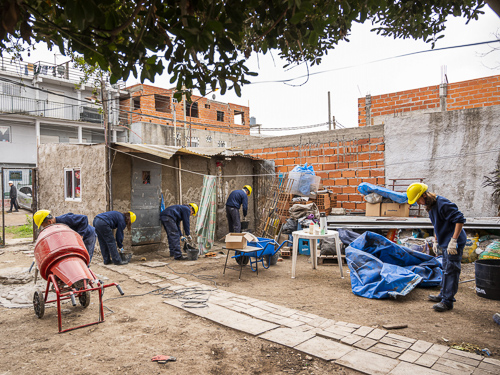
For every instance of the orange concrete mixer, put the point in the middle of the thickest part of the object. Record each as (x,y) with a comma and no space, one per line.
(62,259)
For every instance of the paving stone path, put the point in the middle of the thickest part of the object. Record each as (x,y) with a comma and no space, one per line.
(365,349)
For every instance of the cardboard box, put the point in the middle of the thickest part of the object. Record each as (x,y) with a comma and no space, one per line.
(239,240)
(395,209)
(372,209)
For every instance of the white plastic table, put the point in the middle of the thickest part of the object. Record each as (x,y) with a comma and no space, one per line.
(313,246)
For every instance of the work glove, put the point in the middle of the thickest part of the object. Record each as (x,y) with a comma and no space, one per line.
(183,239)
(121,250)
(452,247)
(435,247)
(189,237)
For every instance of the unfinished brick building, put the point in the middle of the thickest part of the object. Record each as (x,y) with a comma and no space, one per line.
(157,118)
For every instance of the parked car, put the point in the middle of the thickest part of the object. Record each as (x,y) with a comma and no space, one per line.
(24,197)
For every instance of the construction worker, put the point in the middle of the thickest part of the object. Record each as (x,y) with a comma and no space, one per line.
(448,224)
(104,224)
(171,218)
(79,223)
(13,197)
(236,199)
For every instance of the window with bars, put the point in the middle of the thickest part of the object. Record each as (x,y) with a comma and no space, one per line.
(72,184)
(220,116)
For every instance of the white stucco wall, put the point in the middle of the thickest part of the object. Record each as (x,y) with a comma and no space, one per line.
(452,151)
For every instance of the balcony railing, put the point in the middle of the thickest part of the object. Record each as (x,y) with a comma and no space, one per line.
(44,108)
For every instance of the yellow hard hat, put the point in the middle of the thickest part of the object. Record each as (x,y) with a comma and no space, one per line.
(249,188)
(415,191)
(195,208)
(132,217)
(40,216)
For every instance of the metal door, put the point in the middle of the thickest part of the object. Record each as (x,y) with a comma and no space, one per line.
(146,188)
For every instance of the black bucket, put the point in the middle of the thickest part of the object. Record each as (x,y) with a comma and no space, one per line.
(191,252)
(488,278)
(244,224)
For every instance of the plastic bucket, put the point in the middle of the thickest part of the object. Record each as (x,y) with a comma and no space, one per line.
(244,224)
(192,253)
(488,278)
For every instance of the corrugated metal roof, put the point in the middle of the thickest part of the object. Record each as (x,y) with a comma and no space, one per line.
(166,152)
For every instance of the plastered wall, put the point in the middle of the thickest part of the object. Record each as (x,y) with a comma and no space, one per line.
(452,151)
(53,158)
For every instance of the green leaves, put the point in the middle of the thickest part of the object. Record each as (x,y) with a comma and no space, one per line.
(206,42)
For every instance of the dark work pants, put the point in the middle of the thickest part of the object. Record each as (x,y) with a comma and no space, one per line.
(451,275)
(13,203)
(107,242)
(233,219)
(89,242)
(173,236)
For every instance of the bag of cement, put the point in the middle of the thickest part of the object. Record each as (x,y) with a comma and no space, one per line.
(289,227)
(300,210)
(373,198)
(469,254)
(492,251)
(327,247)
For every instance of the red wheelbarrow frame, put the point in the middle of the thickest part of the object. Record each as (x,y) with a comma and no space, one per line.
(66,293)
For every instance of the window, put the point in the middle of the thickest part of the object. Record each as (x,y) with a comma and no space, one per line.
(72,184)
(15,175)
(220,116)
(137,103)
(162,103)
(5,134)
(192,109)
(195,142)
(239,118)
(209,139)
(207,106)
(222,144)
(146,177)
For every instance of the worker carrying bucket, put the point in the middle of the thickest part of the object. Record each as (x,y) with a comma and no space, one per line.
(171,218)
(236,199)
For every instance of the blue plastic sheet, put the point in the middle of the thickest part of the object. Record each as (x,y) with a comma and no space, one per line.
(382,269)
(365,188)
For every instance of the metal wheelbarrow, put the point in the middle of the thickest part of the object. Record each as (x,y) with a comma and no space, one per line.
(61,258)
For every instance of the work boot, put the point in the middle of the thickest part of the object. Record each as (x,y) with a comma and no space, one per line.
(496,318)
(182,258)
(434,298)
(125,259)
(442,307)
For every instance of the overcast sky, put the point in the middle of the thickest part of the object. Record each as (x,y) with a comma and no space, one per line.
(354,73)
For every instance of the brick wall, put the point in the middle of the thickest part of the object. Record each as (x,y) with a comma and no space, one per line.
(207,111)
(342,162)
(481,92)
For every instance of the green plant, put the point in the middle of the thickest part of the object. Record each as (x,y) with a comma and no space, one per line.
(22,231)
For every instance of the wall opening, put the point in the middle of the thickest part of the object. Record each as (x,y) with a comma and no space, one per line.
(162,103)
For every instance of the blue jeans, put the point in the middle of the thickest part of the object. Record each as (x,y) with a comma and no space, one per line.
(89,241)
(452,266)
(233,219)
(107,242)
(173,236)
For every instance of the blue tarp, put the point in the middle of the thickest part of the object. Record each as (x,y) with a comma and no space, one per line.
(365,188)
(381,269)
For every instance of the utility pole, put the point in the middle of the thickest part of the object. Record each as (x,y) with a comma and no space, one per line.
(329,113)
(175,126)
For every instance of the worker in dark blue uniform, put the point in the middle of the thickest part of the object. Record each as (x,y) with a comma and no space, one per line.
(171,218)
(448,224)
(236,199)
(104,224)
(79,223)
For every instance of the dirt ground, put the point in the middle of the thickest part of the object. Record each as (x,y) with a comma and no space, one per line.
(140,326)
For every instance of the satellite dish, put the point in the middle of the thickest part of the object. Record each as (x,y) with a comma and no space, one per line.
(61,70)
(213,96)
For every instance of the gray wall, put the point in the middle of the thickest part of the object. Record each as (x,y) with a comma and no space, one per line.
(452,151)
(22,148)
(155,134)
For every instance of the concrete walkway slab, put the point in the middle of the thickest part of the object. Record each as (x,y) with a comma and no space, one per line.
(405,368)
(324,348)
(368,363)
(287,336)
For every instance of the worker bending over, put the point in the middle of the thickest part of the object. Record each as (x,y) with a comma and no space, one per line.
(171,218)
(448,222)
(236,199)
(79,223)
(104,224)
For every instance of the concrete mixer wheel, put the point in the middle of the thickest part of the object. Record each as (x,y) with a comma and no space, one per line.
(84,299)
(39,304)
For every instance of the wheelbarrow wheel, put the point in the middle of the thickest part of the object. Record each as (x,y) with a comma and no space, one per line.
(242,260)
(84,299)
(39,304)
